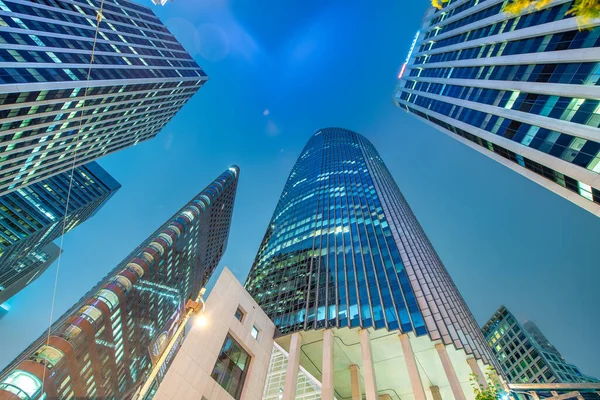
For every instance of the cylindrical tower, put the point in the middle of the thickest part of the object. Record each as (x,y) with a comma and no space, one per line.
(344,249)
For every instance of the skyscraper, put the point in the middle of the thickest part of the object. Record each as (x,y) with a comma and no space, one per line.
(27,269)
(32,217)
(140,78)
(520,89)
(344,252)
(525,353)
(105,345)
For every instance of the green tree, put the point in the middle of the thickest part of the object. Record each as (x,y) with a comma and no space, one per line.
(493,389)
(583,10)
(439,4)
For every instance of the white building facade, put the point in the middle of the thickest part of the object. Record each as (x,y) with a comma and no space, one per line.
(226,353)
(233,351)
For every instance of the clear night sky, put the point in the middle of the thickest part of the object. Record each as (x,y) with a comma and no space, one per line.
(313,64)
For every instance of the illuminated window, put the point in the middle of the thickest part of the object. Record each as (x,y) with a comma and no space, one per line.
(108,297)
(23,384)
(255,332)
(90,311)
(48,356)
(139,271)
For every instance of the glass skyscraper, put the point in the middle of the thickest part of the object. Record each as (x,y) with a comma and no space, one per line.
(105,345)
(525,353)
(27,269)
(32,217)
(521,89)
(343,249)
(140,78)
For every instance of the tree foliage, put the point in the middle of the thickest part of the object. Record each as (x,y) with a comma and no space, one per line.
(439,4)
(493,389)
(583,10)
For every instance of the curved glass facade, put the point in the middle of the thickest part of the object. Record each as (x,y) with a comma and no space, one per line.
(343,249)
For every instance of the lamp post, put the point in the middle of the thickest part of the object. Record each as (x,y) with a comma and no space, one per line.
(192,307)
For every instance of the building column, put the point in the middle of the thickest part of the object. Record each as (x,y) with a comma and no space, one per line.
(411,365)
(291,373)
(450,373)
(435,392)
(477,372)
(355,382)
(368,368)
(328,367)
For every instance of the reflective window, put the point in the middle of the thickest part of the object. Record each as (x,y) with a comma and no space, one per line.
(231,367)
(23,384)
(239,314)
(255,332)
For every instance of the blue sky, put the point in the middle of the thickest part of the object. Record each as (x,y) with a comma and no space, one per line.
(309,65)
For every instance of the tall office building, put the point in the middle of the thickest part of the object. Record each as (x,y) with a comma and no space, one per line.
(344,257)
(27,269)
(525,354)
(32,217)
(140,78)
(106,344)
(521,89)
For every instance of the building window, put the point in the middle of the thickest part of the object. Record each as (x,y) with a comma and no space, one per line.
(239,314)
(255,332)
(231,367)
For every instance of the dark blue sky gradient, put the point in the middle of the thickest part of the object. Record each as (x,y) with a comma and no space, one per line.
(313,64)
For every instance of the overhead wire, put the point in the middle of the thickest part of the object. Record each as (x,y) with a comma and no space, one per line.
(99,18)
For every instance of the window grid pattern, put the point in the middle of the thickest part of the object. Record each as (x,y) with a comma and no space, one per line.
(343,249)
(523,357)
(140,78)
(432,82)
(582,152)
(328,258)
(112,334)
(559,178)
(33,217)
(544,16)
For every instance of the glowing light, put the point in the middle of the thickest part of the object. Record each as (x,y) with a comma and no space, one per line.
(201,321)
(402,71)
(412,47)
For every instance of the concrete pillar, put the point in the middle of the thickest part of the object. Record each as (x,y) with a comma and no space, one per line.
(327,371)
(411,365)
(367,367)
(450,373)
(477,371)
(355,382)
(435,392)
(291,373)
